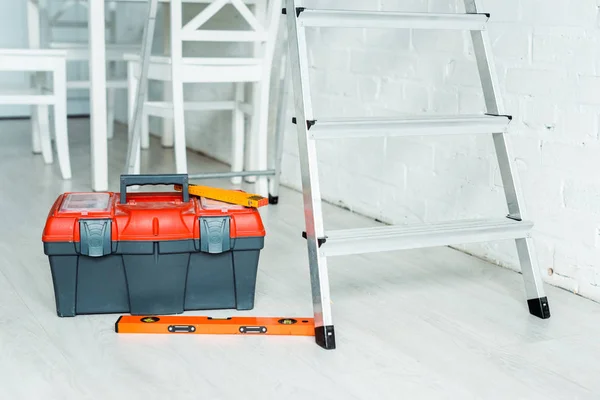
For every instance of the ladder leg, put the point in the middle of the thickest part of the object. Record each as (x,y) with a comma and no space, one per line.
(277,153)
(250,140)
(167,138)
(315,235)
(534,289)
(239,133)
(261,145)
(133,150)
(177,88)
(534,286)
(133,71)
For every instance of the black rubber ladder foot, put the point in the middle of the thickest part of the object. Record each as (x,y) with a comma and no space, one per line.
(539,307)
(273,199)
(325,337)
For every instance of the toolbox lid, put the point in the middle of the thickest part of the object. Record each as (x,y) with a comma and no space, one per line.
(149,216)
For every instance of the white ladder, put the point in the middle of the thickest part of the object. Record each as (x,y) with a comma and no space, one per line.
(321,243)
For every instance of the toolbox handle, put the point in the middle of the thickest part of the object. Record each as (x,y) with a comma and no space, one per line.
(166,179)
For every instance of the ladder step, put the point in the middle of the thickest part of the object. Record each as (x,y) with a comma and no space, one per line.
(385,19)
(402,237)
(434,125)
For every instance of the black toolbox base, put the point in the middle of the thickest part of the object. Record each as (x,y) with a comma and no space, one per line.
(154,278)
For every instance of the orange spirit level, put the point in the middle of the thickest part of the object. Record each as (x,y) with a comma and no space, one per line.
(227,196)
(216,326)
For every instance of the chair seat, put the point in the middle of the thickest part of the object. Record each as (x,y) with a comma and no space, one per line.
(165,108)
(78,51)
(110,84)
(199,69)
(198,60)
(32,52)
(26,96)
(31,59)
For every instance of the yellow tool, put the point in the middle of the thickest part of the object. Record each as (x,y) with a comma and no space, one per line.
(228,196)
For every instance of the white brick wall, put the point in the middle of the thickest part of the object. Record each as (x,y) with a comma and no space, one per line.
(548,60)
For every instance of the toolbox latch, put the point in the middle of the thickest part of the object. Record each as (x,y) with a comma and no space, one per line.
(95,237)
(214,234)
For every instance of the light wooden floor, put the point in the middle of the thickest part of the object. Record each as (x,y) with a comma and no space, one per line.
(430,324)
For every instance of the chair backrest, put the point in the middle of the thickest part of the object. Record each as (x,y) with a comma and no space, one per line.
(70,15)
(262,18)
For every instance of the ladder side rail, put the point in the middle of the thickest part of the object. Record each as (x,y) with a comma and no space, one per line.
(313,214)
(133,155)
(280,124)
(534,289)
(482,47)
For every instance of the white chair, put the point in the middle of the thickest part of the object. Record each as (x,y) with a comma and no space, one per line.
(41,62)
(178,69)
(54,19)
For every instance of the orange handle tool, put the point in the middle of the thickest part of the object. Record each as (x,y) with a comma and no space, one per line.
(216,326)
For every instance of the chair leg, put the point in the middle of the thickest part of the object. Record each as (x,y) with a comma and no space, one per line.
(167,138)
(110,117)
(131,92)
(237,142)
(176,16)
(261,135)
(145,128)
(251,140)
(60,121)
(132,83)
(137,167)
(36,145)
(179,126)
(43,126)
(253,155)
(133,73)
(167,123)
(112,70)
(277,153)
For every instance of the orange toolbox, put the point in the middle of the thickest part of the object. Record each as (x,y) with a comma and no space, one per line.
(151,253)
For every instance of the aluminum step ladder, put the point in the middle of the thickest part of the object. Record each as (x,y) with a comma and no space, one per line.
(132,163)
(321,243)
